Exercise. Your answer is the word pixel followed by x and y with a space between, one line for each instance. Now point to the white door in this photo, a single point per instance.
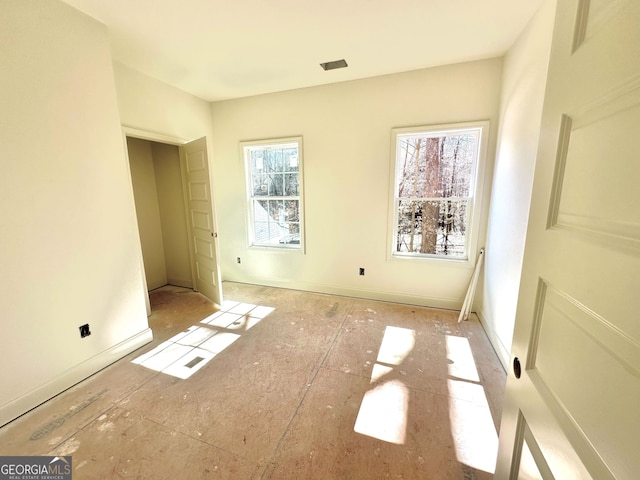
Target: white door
pixel 200 219
pixel 575 410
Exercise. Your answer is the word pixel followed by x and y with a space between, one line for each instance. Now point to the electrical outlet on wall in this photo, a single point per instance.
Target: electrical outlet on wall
pixel 84 330
pixel 238 260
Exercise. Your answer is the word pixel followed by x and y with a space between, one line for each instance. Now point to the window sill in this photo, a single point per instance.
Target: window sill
pixel 278 248
pixel 453 261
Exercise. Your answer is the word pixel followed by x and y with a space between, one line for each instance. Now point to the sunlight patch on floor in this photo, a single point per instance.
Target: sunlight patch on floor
pixel 472 428
pixel 383 412
pixel 238 316
pixel 384 409
pixel 462 364
pixel 188 351
pixel 396 344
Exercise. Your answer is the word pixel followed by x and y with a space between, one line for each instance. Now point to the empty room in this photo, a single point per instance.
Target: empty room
pixel 302 240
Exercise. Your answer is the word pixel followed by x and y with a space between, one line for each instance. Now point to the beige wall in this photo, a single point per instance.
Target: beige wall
pixel 157 188
pixel 69 251
pixel 143 179
pixel 166 161
pixel 523 87
pixel 346 129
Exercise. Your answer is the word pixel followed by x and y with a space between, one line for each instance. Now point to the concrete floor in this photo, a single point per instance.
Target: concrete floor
pixel 281 384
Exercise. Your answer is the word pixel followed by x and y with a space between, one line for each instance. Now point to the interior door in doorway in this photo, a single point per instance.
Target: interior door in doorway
pixel 571 405
pixel 199 205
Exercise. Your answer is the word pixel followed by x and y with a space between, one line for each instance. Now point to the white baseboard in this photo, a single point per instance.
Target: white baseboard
pixel 180 282
pixel 503 354
pixel 446 303
pixel 12 410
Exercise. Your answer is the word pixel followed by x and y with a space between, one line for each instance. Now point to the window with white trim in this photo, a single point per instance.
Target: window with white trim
pixel 273 170
pixel 434 189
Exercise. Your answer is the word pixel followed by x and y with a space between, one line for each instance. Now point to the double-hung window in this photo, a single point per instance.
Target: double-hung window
pixel 435 189
pixel 273 170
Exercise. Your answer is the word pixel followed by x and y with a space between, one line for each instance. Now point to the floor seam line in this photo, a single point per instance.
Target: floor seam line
pixel 307 388
pixel 199 440
pixel 93 420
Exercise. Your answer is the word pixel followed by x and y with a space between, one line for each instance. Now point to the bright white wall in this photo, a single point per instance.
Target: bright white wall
pixel 523 86
pixel 346 129
pixel 148 104
pixel 156 110
pixel 145 192
pixel 69 251
pixel 166 162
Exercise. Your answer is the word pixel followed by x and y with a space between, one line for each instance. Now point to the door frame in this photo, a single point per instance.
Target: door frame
pixel 128 131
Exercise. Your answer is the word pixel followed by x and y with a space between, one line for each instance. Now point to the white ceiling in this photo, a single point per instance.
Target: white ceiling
pixel 221 49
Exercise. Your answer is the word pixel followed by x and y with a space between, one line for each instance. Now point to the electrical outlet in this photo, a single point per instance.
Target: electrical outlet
pixel 84 330
pixel 238 260
pixel 361 271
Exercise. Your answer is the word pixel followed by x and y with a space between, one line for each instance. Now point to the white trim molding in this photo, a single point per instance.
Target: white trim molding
pixel 17 407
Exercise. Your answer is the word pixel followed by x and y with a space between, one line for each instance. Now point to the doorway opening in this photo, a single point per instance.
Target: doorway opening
pixel 162 221
pixel 174 207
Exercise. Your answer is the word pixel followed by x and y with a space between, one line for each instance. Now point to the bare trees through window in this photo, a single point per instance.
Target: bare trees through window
pixel 273 172
pixel 433 191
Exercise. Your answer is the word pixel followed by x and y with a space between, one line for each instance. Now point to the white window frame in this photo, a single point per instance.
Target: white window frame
pixel 474 206
pixel 245 149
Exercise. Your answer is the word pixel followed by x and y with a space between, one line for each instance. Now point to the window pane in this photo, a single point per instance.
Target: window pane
pixel 276 210
pixel 294 228
pixel 260 184
pixel 292 209
pixel 262 232
pixel 268 222
pixel 418 173
pixel 273 171
pixel 291 188
pixel 261 221
pixel 276 185
pixel 273 162
pixel 409 226
pixel 436 166
pixel 257 164
pixel 434 185
pixel 291 160
pixel 432 227
pixel 452 228
pixel 260 212
pixel 292 234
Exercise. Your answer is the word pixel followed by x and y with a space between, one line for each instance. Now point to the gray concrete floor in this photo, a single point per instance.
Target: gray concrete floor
pixel 281 384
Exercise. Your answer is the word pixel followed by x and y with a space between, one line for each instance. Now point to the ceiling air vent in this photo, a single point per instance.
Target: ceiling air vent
pixel 335 64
